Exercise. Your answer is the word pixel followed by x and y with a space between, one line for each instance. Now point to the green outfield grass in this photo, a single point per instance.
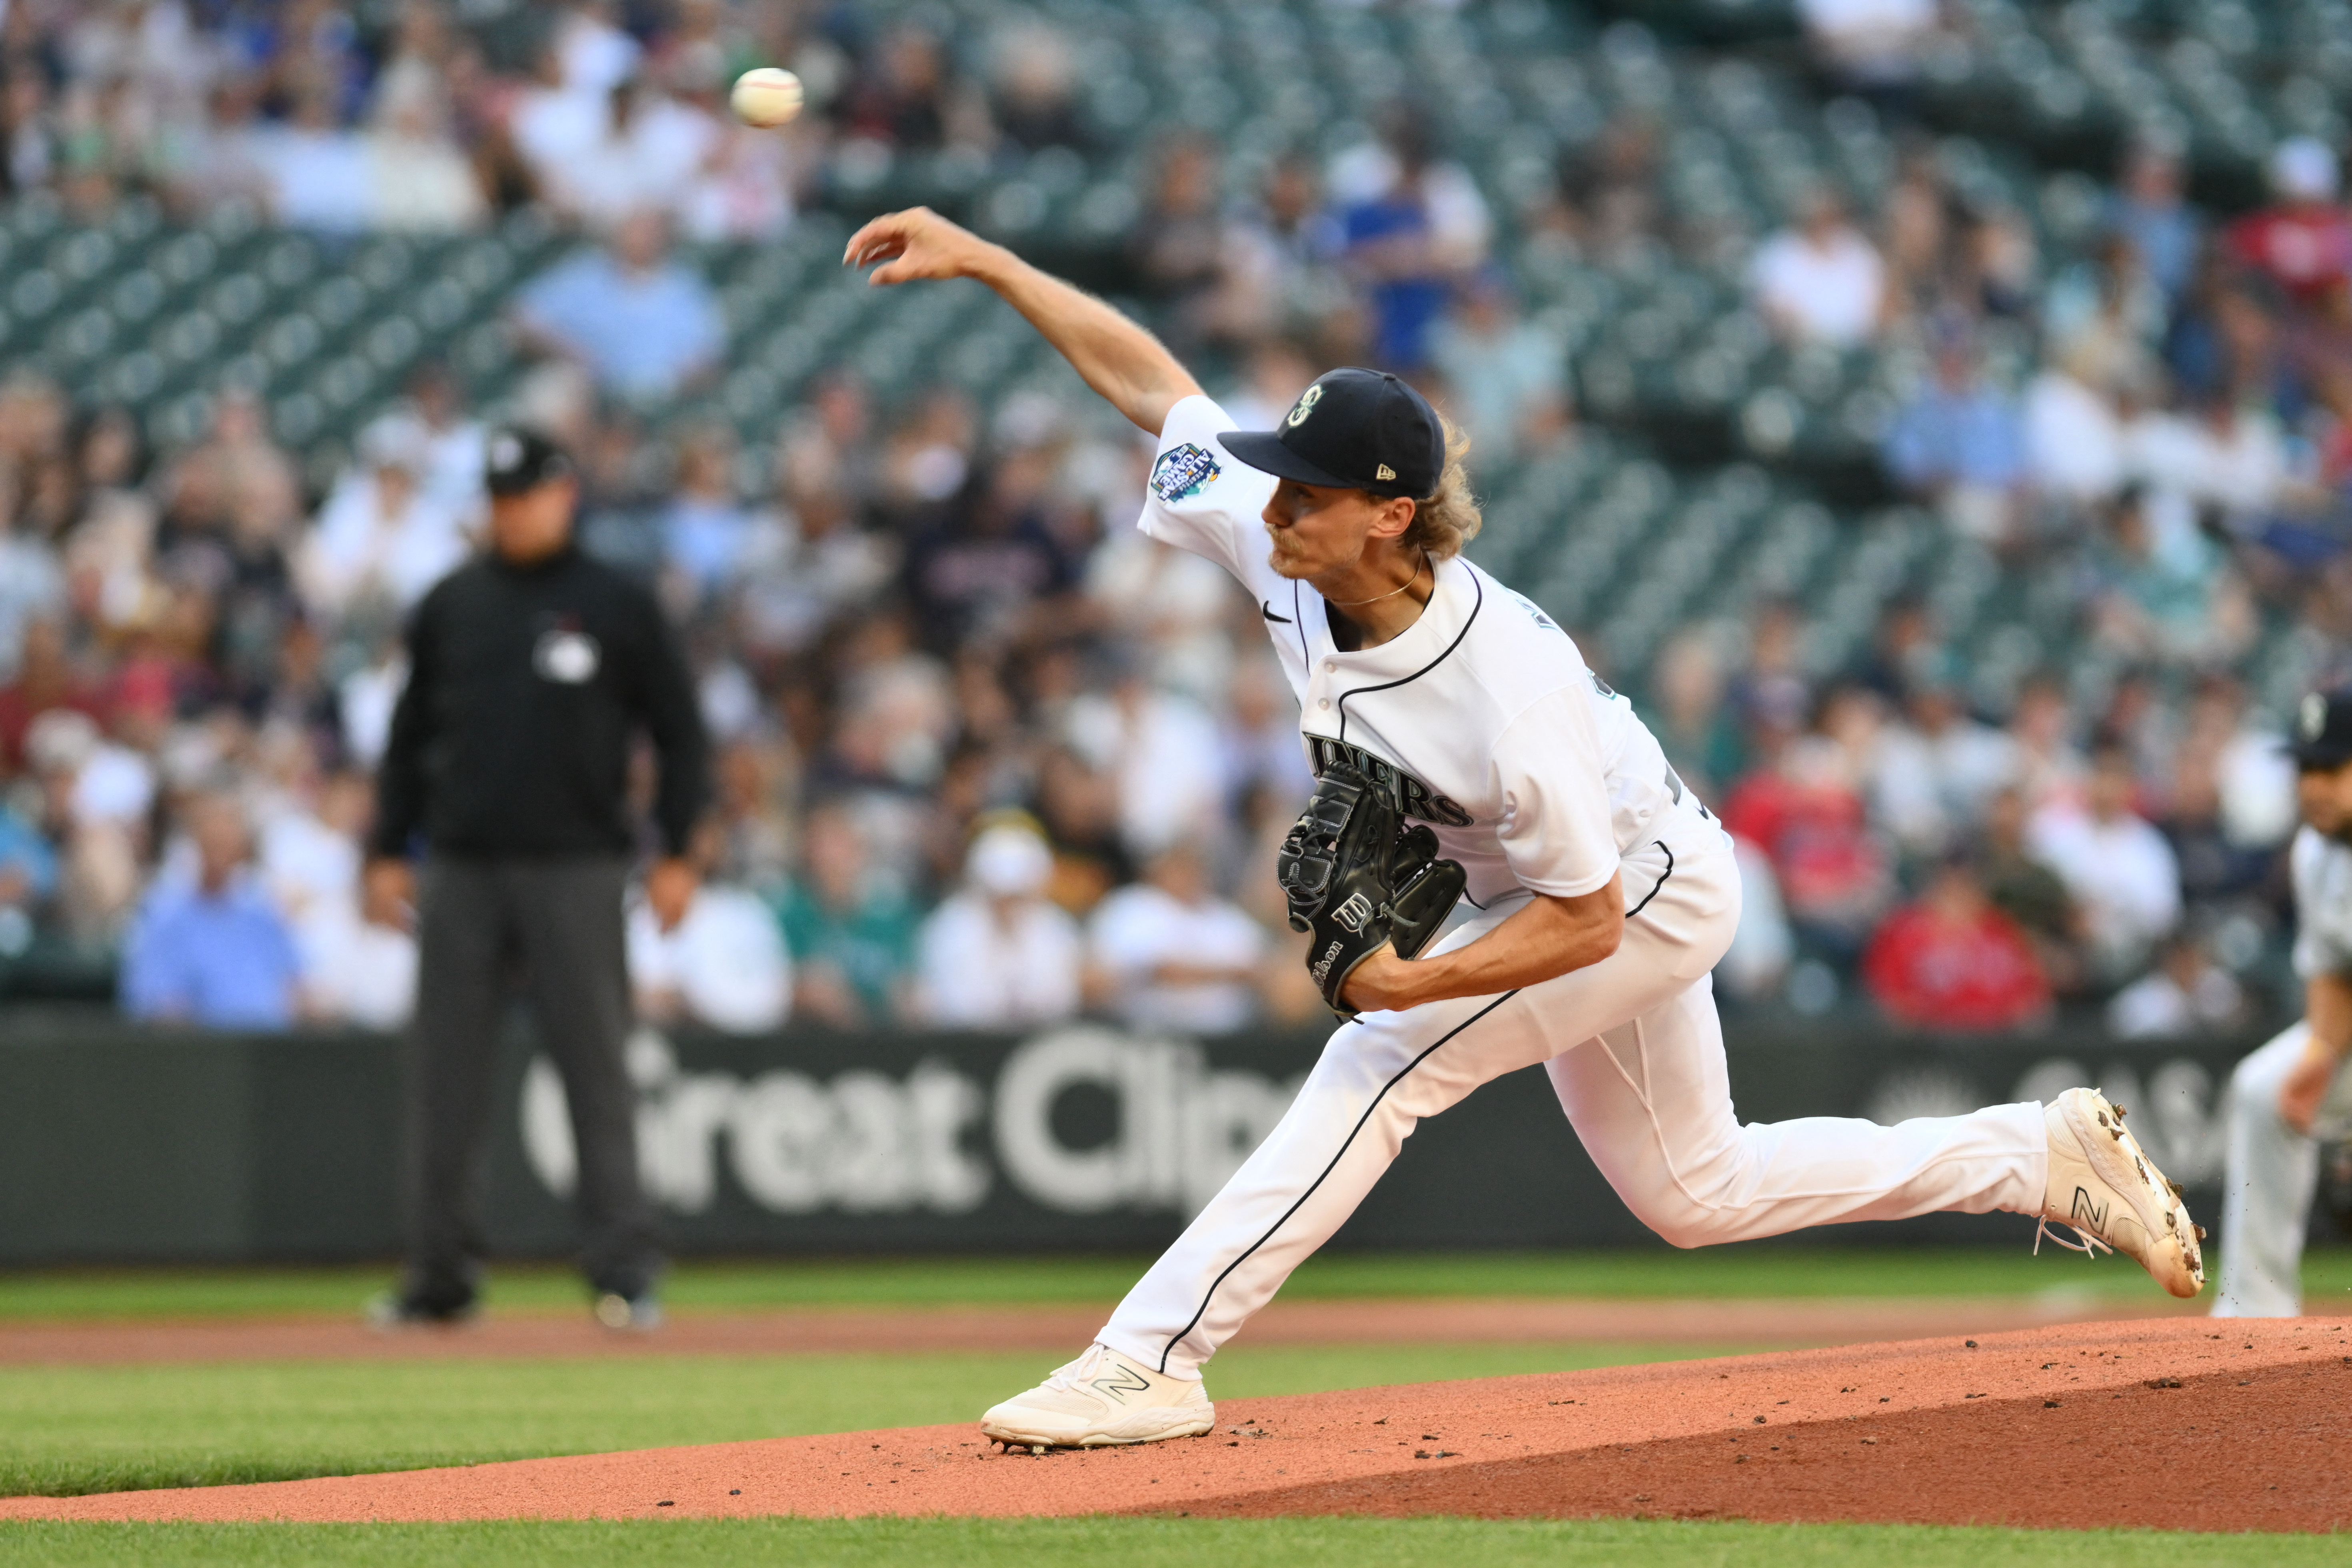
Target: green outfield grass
pixel 1754 1269
pixel 74 1429
pixel 1151 1543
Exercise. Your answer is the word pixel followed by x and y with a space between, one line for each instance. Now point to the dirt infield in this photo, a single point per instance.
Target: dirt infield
pixel 1064 1328
pixel 2181 1424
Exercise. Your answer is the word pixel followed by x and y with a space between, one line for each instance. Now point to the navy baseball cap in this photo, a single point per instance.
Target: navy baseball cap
pixel 2323 729
pixel 516 459
pixel 1357 429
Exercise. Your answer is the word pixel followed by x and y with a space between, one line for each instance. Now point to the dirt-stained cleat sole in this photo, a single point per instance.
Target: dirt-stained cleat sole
pixel 2104 1188
pixel 1102 1399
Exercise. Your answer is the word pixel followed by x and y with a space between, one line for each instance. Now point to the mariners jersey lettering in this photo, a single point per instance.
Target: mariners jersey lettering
pixel 1481 718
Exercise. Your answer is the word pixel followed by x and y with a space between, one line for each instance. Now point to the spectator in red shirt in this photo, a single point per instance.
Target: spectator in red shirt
pixel 1952 961
pixel 1805 809
pixel 45 680
pixel 2303 242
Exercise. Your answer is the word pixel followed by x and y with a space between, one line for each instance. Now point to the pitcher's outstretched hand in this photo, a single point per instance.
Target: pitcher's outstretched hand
pixel 915 244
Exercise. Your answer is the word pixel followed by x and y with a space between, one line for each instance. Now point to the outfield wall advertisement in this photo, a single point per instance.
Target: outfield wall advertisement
pixel 120 1144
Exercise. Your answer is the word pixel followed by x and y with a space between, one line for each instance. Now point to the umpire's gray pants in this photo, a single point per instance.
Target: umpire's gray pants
pixel 557 922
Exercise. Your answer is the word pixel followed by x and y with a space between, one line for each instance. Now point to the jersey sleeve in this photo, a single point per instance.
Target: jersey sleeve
pixel 2319 945
pixel 1199 498
pixel 1557 830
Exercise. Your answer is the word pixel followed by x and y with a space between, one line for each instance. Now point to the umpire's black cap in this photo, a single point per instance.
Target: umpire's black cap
pixel 1360 430
pixel 2323 729
pixel 516 459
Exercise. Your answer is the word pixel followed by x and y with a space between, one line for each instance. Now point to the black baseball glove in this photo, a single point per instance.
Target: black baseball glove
pixel 1356 876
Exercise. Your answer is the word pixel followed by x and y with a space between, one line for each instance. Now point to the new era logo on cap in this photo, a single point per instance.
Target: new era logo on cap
pixel 1354 429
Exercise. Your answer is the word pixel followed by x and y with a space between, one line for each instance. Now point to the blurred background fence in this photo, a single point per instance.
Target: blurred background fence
pixel 118 1146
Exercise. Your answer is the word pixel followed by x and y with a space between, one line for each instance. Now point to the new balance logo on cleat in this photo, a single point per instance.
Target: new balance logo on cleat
pixel 1099 1400
pixel 1124 1380
pixel 2086 1212
pixel 2114 1199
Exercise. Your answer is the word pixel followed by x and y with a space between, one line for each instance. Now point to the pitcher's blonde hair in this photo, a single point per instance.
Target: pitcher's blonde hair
pixel 1450 517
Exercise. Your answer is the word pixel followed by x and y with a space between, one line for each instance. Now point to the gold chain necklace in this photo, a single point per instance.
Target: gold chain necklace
pixel 1392 593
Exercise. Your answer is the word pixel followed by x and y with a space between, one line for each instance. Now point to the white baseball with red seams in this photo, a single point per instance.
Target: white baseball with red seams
pixel 767 97
pixel 1485 723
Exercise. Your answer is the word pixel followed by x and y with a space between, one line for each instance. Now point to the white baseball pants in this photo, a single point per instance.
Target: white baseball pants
pixel 2272 1173
pixel 1635 1053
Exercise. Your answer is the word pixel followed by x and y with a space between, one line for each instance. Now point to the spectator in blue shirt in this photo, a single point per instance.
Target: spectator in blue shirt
pixel 28 875
pixel 29 865
pixel 644 325
pixel 2150 211
pixel 215 951
pixel 705 528
pixel 1961 444
pixel 1409 244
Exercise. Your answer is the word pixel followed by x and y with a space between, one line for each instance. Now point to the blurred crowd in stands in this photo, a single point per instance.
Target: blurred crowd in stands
pixel 2168 467
pixel 988 757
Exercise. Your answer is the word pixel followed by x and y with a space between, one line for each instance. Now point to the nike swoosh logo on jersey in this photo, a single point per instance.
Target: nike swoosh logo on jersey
pixel 1266 610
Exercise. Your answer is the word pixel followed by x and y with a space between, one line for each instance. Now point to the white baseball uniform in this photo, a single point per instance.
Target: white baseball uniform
pixel 1485 724
pixel 2272 1170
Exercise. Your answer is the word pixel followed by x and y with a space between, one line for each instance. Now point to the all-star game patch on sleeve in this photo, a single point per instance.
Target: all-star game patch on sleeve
pixel 1181 472
pixel 1198 498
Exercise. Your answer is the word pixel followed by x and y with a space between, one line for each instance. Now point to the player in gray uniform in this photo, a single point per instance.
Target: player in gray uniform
pixel 1604 893
pixel 2287 1094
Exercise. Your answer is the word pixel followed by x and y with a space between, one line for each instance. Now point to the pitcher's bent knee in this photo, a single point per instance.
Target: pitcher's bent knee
pixel 1680 1222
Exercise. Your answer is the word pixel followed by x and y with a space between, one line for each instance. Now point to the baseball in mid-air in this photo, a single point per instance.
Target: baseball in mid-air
pixel 768 96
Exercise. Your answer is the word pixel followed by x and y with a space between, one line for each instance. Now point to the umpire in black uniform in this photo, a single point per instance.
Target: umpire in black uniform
pixel 531 670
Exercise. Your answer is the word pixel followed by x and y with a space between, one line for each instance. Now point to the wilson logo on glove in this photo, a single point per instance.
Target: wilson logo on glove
pixel 1358 879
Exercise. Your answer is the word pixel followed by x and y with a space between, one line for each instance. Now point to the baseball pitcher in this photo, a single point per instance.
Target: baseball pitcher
pixel 1464 751
pixel 2283 1093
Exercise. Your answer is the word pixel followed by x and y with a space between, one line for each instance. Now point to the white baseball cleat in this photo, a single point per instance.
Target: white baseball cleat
pixel 1100 1399
pixel 2104 1188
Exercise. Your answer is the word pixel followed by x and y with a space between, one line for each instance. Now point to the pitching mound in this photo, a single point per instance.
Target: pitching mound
pixel 2182 1423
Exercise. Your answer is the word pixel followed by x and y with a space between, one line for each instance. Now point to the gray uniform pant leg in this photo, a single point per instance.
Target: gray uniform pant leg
pixel 568 914
pixel 562 921
pixel 464 955
pixel 2272 1173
